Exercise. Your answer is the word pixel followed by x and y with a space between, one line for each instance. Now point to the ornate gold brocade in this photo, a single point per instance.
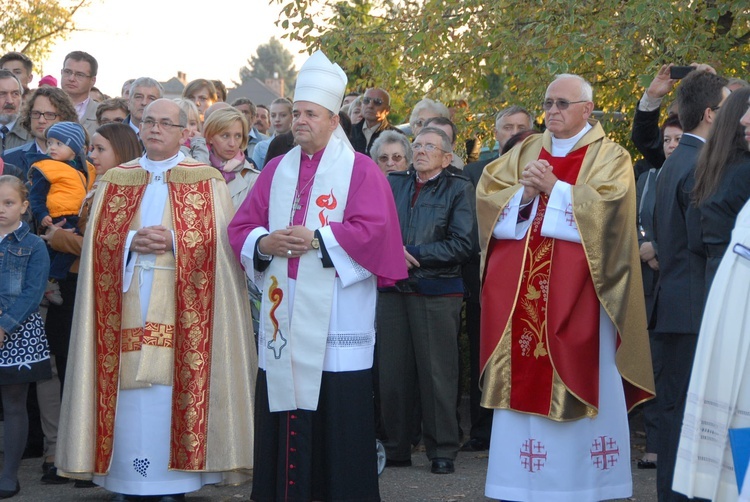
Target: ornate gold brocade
pixel 604 209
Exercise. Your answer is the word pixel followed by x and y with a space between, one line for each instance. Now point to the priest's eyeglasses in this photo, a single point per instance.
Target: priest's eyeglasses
pixel 163 124
pixel 562 104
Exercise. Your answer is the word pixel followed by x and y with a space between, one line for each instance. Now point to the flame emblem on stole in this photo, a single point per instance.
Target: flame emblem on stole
pixel 326 202
pixel 275 295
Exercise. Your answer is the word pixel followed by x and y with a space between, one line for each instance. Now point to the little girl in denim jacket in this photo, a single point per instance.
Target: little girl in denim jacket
pixel 24 353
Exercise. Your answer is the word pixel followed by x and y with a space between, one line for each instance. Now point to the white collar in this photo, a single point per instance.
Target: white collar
pixel 157 166
pixel 562 147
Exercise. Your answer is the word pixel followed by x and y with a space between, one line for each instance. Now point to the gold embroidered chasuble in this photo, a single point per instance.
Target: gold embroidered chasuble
pixel 197 336
pixel 603 206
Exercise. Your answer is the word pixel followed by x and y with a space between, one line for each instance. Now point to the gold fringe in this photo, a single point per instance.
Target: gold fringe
pixel 126 177
pixel 189 174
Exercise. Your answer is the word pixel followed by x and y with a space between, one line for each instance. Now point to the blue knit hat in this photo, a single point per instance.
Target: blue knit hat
pixel 70 134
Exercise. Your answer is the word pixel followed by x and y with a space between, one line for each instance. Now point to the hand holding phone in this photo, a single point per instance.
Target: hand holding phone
pixel 679 72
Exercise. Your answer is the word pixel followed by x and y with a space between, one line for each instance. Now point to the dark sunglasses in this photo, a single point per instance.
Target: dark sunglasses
pixel 368 100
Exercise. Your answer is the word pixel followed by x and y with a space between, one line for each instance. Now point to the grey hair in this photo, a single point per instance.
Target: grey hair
pixel 357 102
pixel 587 93
pixel 391 138
pixel 147 82
pixel 514 110
pixel 428 104
pixel 444 139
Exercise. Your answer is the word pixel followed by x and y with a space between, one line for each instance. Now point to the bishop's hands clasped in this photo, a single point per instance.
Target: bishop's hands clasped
pixel 537 177
pixel 289 242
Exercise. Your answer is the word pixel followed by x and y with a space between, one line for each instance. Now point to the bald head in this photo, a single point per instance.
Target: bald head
pixel 163 129
pixel 216 106
pixel 568 105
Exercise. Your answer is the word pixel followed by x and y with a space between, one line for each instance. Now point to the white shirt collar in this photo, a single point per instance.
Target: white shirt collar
pixel 562 147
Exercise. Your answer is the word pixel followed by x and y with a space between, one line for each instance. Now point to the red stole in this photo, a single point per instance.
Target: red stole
pixel 195 237
pixel 553 313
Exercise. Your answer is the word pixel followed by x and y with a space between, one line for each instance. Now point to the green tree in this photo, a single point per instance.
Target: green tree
pixel 271 59
pixel 500 52
pixel 34 26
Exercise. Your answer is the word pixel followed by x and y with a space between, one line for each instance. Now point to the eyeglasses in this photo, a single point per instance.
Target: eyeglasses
pixel 562 104
pixel 427 147
pixel 368 100
pixel 163 124
pixel 77 74
pixel 36 115
pixel 396 158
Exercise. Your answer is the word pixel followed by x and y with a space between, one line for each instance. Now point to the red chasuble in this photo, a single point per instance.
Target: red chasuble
pixel 196 240
pixel 553 312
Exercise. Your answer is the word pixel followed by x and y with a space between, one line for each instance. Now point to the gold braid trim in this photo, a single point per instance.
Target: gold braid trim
pixel 193 173
pixel 126 177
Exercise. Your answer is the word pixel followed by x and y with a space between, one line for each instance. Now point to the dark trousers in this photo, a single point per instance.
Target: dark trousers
pixel 481 418
pixel 651 410
pixel 678 351
pixel 417 345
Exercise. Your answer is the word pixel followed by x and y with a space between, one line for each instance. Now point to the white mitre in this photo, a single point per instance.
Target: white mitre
pixel 321 82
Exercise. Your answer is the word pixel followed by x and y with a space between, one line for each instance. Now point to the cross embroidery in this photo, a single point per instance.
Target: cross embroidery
pixel 504 213
pixel 533 455
pixel 569 216
pixel 131 340
pixel 159 335
pixel 604 453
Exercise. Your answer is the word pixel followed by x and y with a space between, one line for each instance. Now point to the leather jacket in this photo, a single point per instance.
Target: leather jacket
pixel 437 230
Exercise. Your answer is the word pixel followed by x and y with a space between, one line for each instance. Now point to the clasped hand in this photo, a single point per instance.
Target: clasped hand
pixel 156 239
pixel 289 242
pixel 537 177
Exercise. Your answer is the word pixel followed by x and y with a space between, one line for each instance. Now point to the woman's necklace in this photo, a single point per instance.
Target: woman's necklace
pixel 296 205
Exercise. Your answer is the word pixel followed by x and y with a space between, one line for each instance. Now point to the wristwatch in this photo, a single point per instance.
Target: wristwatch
pixel 315 243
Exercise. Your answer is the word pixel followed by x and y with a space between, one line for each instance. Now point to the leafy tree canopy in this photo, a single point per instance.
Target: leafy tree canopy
pixel 34 26
pixel 501 52
pixel 270 59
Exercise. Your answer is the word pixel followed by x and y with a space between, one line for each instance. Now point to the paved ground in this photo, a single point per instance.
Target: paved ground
pixel 412 484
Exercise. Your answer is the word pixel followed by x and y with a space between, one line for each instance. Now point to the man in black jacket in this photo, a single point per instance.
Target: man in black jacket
pixel 680 293
pixel 418 319
pixel 376 105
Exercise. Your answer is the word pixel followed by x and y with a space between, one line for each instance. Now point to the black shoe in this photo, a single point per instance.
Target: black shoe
pixel 177 497
pixel 476 444
pixel 397 463
pixel 50 476
pixel 442 466
pixel 46 465
pixel 84 483
pixel 646 464
pixel 121 497
pixel 6 494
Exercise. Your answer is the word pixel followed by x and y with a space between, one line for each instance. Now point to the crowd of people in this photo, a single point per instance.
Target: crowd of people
pixel 202 292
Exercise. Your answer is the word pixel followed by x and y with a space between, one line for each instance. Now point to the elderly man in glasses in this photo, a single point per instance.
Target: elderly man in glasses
pixel 564 348
pixel 418 318
pixel 376 105
pixel 162 366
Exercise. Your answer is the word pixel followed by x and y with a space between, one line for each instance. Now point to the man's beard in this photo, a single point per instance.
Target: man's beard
pixel 7 118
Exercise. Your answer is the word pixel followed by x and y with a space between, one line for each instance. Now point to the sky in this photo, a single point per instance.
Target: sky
pixel 157 38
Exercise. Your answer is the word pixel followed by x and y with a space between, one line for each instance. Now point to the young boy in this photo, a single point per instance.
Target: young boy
pixel 58 186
